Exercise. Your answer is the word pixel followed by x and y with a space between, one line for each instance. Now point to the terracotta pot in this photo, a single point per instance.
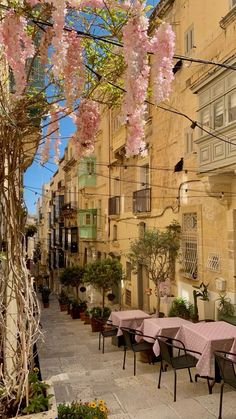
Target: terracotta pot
pixel 96 324
pixel 87 320
pixel 75 313
pixel 63 307
pixel 82 315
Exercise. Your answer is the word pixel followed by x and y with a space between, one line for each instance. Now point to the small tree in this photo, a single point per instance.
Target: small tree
pixel 103 275
pixel 156 251
pixel 73 276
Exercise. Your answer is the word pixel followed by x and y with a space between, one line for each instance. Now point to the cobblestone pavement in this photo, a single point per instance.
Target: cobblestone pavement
pixel 69 356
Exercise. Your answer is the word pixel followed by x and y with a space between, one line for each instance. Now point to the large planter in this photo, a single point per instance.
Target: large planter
pixel 206 309
pixel 63 307
pixel 96 324
pixel 75 313
pixel 49 414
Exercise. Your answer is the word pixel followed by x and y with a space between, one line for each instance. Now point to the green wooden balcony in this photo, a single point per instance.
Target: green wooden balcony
pixel 87 172
pixel 87 220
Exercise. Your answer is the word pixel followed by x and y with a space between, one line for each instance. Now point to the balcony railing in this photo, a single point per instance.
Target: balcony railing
pixel 142 200
pixel 114 205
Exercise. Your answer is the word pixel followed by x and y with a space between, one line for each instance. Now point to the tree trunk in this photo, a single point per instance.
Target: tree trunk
pixel 103 298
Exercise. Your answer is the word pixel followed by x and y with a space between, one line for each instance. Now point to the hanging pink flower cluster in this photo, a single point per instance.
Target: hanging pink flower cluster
pixel 59 43
pixel 136 44
pixel 44 45
pixel 87 123
pixel 18 46
pixel 52 135
pixel 74 69
pixel 162 46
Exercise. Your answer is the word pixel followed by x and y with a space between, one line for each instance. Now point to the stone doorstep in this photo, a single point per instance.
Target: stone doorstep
pixel 51 413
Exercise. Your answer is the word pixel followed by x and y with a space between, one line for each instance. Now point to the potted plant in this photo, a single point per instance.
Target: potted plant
pixel 104 274
pixel 63 300
pixel 45 296
pixel 73 277
pixel 82 309
pixel 203 307
pixel 180 307
pixel 156 251
pixel 42 402
pixel 93 409
pixel 86 317
pixel 225 307
pixel 98 316
pixel 74 311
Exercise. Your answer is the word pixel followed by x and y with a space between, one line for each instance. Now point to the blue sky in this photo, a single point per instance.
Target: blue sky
pixel 36 174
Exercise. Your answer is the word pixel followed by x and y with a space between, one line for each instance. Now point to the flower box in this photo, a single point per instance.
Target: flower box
pixel 49 414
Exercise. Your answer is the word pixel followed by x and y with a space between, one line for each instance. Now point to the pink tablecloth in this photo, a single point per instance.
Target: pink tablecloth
pixel 127 318
pixel 167 326
pixel 207 338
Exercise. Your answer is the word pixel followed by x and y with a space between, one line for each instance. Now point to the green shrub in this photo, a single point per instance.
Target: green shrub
pixel 180 307
pixel 38 398
pixel 99 312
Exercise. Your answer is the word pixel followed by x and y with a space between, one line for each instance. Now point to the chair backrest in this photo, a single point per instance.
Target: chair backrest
pixel 226 366
pixel 165 348
pixel 129 336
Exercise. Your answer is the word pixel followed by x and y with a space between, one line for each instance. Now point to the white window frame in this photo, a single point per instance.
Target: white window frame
pixel 229 90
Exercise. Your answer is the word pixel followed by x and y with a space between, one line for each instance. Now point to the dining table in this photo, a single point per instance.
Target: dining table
pixel 154 326
pixel 206 338
pixel 127 318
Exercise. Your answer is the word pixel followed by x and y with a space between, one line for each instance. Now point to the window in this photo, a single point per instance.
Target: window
pixel 218 114
pixel 90 164
pixel 205 117
pixel 114 232
pixel 217 104
pixel 189 245
pixel 189 144
pixel 142 228
pixel 128 297
pixel 232 107
pixel 188 40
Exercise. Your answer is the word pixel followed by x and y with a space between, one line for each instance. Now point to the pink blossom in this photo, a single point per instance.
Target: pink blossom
pixel 18 46
pixel 59 43
pixel 52 135
pixel 44 44
pixel 136 45
pixel 162 46
pixel 74 70
pixel 87 123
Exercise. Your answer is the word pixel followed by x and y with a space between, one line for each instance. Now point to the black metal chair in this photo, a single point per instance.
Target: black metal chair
pixel 107 330
pixel 179 362
pixel 130 343
pixel 227 372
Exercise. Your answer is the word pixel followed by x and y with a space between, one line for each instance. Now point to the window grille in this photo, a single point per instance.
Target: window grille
pixel 213 262
pixel 127 297
pixel 189 245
